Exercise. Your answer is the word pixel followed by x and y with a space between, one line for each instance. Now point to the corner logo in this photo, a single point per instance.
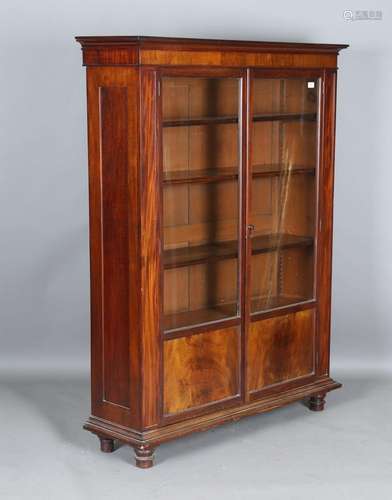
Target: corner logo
pixel 362 15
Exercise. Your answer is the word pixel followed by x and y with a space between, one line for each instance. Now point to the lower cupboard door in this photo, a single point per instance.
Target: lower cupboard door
pixel 200 370
pixel 280 349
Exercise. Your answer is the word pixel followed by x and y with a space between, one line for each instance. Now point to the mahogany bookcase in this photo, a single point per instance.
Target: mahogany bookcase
pixel 211 199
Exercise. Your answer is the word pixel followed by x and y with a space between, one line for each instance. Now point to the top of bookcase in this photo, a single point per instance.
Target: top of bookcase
pixel 207 43
pixel 146 50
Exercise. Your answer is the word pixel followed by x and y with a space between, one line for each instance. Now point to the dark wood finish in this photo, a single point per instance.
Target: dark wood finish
pixel 280 397
pixel 107 444
pixel 207 43
pixel 151 349
pixel 115 229
pixel 316 402
pixel 244 233
pixel 144 456
pixel 324 247
pixel 114 243
pixel 160 372
pixel 182 51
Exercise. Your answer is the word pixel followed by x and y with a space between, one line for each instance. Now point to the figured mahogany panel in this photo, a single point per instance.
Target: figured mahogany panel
pixel 280 349
pixel 201 369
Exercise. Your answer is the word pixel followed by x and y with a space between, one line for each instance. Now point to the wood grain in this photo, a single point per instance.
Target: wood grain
pixel 201 369
pixel 325 222
pixel 215 417
pixel 280 349
pixel 136 50
pixel 115 230
pixel 207 44
pixel 103 56
pixel 236 59
pixel 148 385
pixel 114 243
pixel 150 252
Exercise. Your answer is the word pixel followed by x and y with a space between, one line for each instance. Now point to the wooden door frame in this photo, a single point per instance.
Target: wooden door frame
pixel 209 72
pixel 323 204
pixel 323 237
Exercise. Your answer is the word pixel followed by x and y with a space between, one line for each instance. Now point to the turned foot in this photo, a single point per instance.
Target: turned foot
pixel 107 444
pixel 316 402
pixel 144 456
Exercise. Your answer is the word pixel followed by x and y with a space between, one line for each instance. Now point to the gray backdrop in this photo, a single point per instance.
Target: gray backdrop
pixel 44 293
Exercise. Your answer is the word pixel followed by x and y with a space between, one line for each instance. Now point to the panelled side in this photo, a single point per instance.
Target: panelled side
pixel 114 242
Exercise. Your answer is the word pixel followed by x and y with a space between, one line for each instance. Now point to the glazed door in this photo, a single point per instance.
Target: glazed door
pixel 237 148
pixel 284 138
pixel 202 238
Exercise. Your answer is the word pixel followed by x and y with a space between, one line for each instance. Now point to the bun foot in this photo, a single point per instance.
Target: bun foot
pixel 144 456
pixel 316 402
pixel 107 444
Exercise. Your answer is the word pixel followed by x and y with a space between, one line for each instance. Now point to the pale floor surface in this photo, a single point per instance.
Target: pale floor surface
pixel 344 452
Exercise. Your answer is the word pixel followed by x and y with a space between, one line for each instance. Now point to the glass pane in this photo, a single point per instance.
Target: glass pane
pixel 283 204
pixel 200 130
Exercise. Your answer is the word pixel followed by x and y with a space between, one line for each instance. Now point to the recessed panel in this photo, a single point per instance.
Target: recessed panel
pixel 280 349
pixel 115 235
pixel 200 369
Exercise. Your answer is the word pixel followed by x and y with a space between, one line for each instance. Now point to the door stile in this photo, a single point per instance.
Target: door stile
pixel 247 100
pixel 150 250
pixel 159 146
pixel 319 210
pixel 325 221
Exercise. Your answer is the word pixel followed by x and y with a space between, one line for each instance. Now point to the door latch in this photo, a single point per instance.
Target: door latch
pixel 250 228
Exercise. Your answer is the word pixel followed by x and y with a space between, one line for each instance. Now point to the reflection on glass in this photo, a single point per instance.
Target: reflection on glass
pixel 200 127
pixel 283 208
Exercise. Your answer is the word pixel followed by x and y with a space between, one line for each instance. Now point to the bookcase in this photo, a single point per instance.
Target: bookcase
pixel 211 198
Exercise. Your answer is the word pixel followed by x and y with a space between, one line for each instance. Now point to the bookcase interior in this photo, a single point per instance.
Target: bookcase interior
pixel 202 176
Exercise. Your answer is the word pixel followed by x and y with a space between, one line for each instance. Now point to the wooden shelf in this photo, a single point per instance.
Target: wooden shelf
pixel 184 319
pixel 190 256
pixel 274 170
pixel 217 120
pixel 201 176
pixel 188 318
pixel 223 174
pixel 262 304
